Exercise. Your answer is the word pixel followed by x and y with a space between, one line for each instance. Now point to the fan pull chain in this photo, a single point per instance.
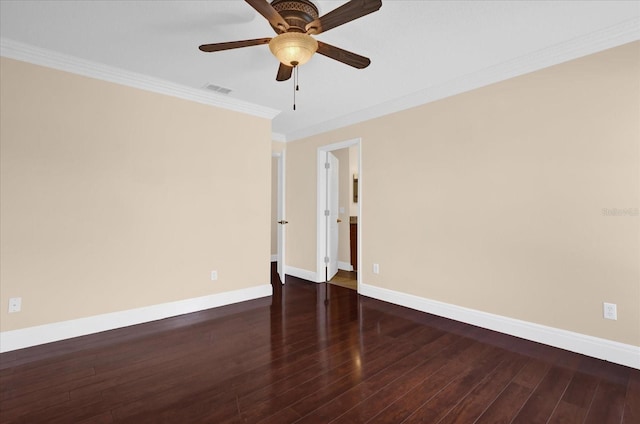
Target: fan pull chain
pixel 296 87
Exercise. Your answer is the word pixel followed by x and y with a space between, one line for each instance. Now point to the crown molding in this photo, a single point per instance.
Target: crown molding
pixel 622 33
pixel 51 59
pixel 617 35
pixel 278 137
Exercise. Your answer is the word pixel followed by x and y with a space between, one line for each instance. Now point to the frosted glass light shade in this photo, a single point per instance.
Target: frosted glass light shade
pixel 293 48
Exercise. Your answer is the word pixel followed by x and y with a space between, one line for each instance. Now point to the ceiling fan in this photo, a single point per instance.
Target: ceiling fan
pixel 295 21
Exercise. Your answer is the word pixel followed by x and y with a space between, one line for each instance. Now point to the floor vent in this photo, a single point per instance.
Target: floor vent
pixel 217 89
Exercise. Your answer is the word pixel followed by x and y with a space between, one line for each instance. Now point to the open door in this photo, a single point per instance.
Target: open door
pixel 328 210
pixel 281 228
pixel 332 215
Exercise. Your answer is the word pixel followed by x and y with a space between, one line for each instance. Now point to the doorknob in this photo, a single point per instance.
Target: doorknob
pixel 283 222
pixel 339 220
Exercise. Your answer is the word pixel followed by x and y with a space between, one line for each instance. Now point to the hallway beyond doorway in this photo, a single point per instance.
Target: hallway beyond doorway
pixel 347 279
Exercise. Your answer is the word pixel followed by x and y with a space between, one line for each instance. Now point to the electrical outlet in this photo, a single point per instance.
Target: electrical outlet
pixel 610 311
pixel 15 304
pixel 214 275
pixel 376 268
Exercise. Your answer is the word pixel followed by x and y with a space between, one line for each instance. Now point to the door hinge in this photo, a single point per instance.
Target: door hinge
pixel 326 259
pixel 327 165
pixel 327 212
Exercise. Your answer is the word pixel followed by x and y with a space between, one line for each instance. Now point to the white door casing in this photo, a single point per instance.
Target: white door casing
pixel 322 246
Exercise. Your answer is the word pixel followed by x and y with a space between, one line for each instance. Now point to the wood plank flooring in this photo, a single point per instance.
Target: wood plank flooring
pixel 295 358
pixel 346 279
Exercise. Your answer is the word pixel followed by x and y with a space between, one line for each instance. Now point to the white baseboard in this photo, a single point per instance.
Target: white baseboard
pixel 313 276
pixel 607 350
pixel 304 274
pixel 274 258
pixel 32 336
pixel 345 266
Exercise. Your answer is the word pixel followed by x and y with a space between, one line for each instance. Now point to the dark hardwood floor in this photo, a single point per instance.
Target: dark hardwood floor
pixel 295 358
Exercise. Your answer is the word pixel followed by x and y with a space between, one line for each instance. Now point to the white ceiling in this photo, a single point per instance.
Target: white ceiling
pixel 420 50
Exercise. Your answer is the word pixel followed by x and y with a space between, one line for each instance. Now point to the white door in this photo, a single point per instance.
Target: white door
pixel 281 219
pixel 332 216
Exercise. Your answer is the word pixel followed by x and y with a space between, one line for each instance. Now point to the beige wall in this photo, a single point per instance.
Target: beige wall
pixel 278 146
pixel 114 198
pixel 493 199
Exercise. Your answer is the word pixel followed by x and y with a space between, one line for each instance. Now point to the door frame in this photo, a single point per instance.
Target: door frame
pixel 321 221
pixel 281 216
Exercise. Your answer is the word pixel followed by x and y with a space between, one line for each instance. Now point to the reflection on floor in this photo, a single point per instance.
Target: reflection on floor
pixel 348 279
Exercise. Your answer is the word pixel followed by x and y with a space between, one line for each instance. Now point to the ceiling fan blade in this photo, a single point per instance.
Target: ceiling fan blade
pixel 284 72
pixel 346 13
pixel 343 56
pixel 265 9
pixel 216 47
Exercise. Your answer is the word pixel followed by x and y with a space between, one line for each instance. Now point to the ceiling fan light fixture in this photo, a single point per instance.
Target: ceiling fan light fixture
pixel 293 48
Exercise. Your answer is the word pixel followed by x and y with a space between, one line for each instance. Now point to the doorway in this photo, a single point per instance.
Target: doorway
pixel 278 221
pixel 336 215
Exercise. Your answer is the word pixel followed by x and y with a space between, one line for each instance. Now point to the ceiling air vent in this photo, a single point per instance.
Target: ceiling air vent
pixel 217 89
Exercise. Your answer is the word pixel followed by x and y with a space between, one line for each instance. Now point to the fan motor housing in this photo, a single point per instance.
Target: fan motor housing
pixel 297 13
